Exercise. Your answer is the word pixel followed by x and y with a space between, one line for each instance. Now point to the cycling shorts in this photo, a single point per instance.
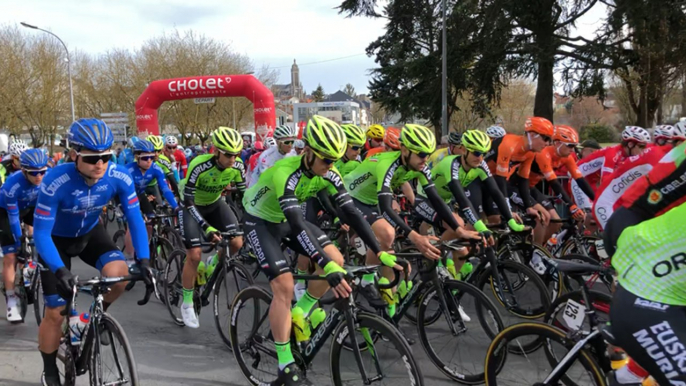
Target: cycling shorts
pixel 95 248
pixel 370 213
pixel 7 240
pixel 482 202
pixel 542 199
pixel 266 238
pixel 218 215
pixel 654 335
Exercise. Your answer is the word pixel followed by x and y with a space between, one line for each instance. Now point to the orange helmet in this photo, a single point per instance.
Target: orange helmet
pixel 540 126
pixel 566 134
pixel 392 138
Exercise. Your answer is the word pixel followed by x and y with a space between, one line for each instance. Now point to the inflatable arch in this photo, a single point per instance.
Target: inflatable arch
pixel 212 86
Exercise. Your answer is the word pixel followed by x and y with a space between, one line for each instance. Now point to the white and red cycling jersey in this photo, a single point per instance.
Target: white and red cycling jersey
pixel 594 169
pixel 265 160
pixel 615 184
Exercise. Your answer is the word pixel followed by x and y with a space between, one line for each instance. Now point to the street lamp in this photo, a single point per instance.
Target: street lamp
pixel 444 76
pixel 71 91
pixel 233 101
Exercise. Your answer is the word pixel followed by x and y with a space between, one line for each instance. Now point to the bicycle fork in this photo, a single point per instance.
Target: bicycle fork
pixel 350 324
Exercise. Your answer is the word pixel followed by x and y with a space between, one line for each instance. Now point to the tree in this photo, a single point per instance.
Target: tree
pixel 349 89
pixel 318 94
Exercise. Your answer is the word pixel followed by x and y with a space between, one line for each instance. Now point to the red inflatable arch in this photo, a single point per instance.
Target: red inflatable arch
pixel 164 90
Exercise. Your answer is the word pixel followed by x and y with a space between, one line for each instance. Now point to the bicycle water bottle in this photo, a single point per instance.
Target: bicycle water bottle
pixel 211 265
pixel 77 324
pixel 202 272
pixel 317 317
pixel 28 272
pixel 300 326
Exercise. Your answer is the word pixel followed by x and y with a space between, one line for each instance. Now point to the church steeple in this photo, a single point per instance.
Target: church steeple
pixel 295 80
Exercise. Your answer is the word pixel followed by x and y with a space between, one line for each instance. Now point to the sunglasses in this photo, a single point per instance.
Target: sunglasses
pixel 355 148
pixel 546 139
pixel 571 145
pixel 478 153
pixel 632 144
pixel 146 158
pixel 171 147
pixel 93 159
pixel 421 155
pixel 227 154
pixel 36 173
pixel 288 143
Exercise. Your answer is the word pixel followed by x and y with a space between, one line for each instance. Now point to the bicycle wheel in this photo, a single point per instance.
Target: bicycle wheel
pixel 118 239
pixel 173 236
pixel 533 368
pixel 457 355
pixel 524 295
pixel 587 247
pixel 251 337
pixel 162 252
pixel 23 297
pixel 398 367
pixel 233 278
pixel 113 363
pixel 66 364
pixel 524 253
pixel 38 299
pixel 173 287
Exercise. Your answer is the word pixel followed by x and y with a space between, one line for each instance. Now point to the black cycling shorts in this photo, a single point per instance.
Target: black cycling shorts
pixel 218 214
pixel 7 241
pixel 653 334
pixel 370 213
pixel 542 199
pixel 266 238
pixel 481 201
pixel 95 248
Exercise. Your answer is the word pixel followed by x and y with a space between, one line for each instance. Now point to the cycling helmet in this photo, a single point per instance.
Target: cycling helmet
pixel 299 144
pixel 635 134
pixel 156 141
pixel 354 134
pixel 680 131
pixel 376 132
pixel 392 138
pixel 258 146
pixel 495 132
pixel 566 134
pixel 143 146
pixel 540 126
pixel 325 137
pixel 664 131
pixel 188 153
pixel 133 140
pixel 476 140
pixel 454 138
pixel 269 142
pixel 91 133
pixel 418 138
pixel 283 132
pixel 18 147
pixel 34 159
pixel 228 140
pixel 171 141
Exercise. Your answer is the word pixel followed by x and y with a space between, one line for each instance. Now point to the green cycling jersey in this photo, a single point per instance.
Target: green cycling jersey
pixel 165 164
pixel 651 258
pixel 449 169
pixel 205 180
pixel 345 167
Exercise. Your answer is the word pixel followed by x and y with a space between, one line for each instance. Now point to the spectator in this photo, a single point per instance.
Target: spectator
pixel 588 147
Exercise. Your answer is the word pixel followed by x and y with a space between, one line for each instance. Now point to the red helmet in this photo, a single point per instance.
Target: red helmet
pixel 392 138
pixel 540 126
pixel 258 146
pixel 566 134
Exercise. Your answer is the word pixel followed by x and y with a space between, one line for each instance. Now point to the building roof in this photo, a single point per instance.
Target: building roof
pixel 340 96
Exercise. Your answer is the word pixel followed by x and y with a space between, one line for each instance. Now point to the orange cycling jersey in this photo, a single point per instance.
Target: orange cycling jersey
pixel 373 151
pixel 508 154
pixel 547 162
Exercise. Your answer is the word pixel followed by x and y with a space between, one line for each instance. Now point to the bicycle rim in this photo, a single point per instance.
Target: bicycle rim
pixel 173 288
pixel 232 279
pixel 112 364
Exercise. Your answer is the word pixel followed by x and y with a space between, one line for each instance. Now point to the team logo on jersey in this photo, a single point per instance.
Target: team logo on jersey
pixel 654 196
pixel 54 185
pixel 77 193
pixel 101 188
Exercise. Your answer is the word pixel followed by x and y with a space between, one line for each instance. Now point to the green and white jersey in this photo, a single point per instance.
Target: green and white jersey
pixel 205 180
pixel 651 258
pixel 382 170
pixel 450 168
pixel 274 191
pixel 165 164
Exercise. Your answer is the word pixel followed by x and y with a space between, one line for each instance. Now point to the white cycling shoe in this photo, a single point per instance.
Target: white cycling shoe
pixel 13 310
pixel 299 290
pixel 463 315
pixel 190 319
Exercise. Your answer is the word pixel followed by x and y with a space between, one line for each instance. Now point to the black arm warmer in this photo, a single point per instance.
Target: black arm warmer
pixel 557 188
pixel 466 208
pixel 498 198
pixel 441 208
pixel 586 188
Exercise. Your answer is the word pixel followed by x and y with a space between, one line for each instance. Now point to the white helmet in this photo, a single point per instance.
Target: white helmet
pixel 299 144
pixel 635 133
pixel 269 142
pixel 680 130
pixel 284 131
pixel 171 140
pixel 17 147
pixel 495 132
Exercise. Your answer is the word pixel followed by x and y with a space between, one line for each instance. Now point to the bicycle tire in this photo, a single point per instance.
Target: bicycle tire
pixel 486 309
pixel 569 247
pixel 38 299
pixel 552 278
pixel 65 356
pixel 117 332
pixel 173 236
pixel 235 270
pixel 161 254
pixel 383 328
pixel 497 355
pixel 118 239
pixel 20 292
pixel 173 289
pixel 531 275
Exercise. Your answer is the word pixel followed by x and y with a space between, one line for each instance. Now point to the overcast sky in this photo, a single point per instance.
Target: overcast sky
pixel 271 32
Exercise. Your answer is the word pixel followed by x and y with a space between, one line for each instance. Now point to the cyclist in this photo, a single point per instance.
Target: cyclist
pixel 375 135
pixel 495 132
pixel 451 149
pixel 13 163
pixel 372 184
pixel 298 146
pixel 285 136
pixel 181 162
pixel 602 163
pixel 144 171
pixel 17 199
pixel 273 212
pixel 391 142
pixel 350 159
pixel 167 162
pixel 665 136
pixel 516 153
pixel 204 214
pixel 269 142
pixel 73 195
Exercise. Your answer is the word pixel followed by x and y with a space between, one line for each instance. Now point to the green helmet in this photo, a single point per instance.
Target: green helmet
pixel 418 138
pixel 228 140
pixel 325 137
pixel 156 141
pixel 476 140
pixel 354 134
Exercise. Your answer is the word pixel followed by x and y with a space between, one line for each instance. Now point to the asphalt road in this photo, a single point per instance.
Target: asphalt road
pixel 167 354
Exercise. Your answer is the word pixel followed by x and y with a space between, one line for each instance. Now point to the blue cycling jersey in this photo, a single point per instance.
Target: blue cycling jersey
pixel 17 194
pixel 66 200
pixel 141 181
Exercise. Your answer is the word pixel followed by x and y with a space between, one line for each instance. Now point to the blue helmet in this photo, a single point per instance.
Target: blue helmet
pixel 143 146
pixel 91 133
pixel 33 159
